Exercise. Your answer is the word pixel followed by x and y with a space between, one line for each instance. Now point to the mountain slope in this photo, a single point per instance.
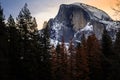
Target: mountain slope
pixel 74 20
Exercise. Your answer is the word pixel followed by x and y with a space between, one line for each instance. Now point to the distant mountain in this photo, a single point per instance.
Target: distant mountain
pixel 74 20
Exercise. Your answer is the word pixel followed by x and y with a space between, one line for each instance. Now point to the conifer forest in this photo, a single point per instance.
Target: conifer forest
pixel 26 54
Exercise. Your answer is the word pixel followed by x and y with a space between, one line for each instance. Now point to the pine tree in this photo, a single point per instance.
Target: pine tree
pixel 25 21
pixel 106 44
pixel 46 66
pixel 54 63
pixel 82 60
pixel 12 32
pixel 27 50
pixel 58 72
pixel 115 59
pixel 2 18
pixel 11 22
pixel 107 50
pixel 117 44
pixel 63 59
pixel 4 61
pixel 71 62
pixel 3 32
pixel 95 58
pixel 34 25
pixel 12 38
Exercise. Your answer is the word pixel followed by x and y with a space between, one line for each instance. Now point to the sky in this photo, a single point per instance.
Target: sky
pixel 43 10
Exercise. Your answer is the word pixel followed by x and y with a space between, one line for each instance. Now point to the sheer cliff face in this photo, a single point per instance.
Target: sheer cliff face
pixel 74 20
pixel 78 20
pixel 98 29
pixel 72 16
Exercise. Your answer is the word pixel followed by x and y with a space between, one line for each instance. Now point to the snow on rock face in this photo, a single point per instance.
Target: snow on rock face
pixel 55 30
pixel 87 31
pixel 74 20
pixel 59 30
pixel 88 27
pixel 72 16
pixel 55 43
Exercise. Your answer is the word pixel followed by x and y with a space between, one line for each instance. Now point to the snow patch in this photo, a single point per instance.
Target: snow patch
pixel 55 42
pixel 56 28
pixel 88 27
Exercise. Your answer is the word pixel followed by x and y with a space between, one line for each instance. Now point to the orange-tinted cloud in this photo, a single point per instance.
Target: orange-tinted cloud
pixel 105 5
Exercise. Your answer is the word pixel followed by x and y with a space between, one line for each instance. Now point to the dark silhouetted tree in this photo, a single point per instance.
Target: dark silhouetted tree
pixel 28 52
pixel 4 61
pixel 54 63
pixel 106 44
pixel 12 40
pixel 82 60
pixel 95 58
pixel 45 54
pixel 71 62
pixel 117 44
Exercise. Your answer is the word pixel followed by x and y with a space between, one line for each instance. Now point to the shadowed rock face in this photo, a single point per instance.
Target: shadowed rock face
pixel 72 16
pixel 71 20
pixel 98 29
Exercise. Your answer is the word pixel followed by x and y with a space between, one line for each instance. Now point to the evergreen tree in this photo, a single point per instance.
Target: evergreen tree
pixel 82 60
pixel 11 22
pixel 46 66
pixel 3 32
pixel 4 61
pixel 106 44
pixel 28 46
pixel 58 72
pixel 25 21
pixel 12 32
pixel 71 62
pixel 117 44
pixel 115 58
pixel 63 60
pixel 12 38
pixel 54 63
pixel 34 25
pixel 95 58
pixel 107 52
